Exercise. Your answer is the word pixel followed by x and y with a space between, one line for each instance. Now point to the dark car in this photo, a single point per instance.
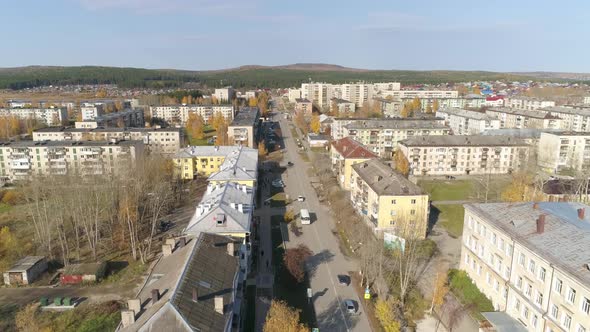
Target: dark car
pixel 343 280
pixel 290 164
pixel 165 225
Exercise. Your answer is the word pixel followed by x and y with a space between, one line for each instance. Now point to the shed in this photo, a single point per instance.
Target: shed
pixel 318 141
pixel 26 270
pixel 83 273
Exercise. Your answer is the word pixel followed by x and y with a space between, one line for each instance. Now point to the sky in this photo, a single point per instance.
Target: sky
pixel 495 35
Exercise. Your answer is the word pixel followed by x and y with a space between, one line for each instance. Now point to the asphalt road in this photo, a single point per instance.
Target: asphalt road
pixel 327 261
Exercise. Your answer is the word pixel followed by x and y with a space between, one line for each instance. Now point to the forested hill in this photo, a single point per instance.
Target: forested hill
pixel 242 77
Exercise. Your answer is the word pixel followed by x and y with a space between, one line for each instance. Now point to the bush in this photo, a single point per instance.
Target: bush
pixel 464 288
pixel 11 197
pixel 289 216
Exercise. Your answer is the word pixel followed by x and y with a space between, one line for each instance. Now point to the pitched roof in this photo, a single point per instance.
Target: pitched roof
pixel 241 163
pixel 26 263
pixel 462 140
pixel 384 180
pixel 348 148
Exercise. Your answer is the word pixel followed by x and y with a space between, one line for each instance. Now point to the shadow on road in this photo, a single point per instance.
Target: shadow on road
pixel 433 217
pixel 331 319
pixel 318 259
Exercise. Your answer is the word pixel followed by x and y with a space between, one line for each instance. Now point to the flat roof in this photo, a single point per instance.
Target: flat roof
pixel 396 124
pixel 526 113
pixel 463 140
pixel 565 240
pixel 102 129
pixel 384 180
pixel 302 100
pixel 566 110
pixel 246 116
pixel 27 144
pixel 466 114
pixel 240 164
pixel 503 322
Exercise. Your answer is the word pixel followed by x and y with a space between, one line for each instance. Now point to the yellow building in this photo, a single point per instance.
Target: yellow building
pixel 345 153
pixel 390 201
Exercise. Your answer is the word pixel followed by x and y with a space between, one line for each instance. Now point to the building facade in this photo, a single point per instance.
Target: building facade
pixel 343 107
pixel 49 116
pixel 527 103
pixel 522 119
pixel 346 152
pixel 125 118
pixel 563 150
pixel 244 129
pixel 390 108
pixel 304 107
pixel 464 122
pixel 225 95
pixel 179 114
pixel 522 257
pixel 390 201
pixel 456 155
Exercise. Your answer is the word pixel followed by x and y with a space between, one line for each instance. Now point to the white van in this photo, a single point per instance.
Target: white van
pixel 304 214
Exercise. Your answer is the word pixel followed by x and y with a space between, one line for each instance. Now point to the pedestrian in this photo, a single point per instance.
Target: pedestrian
pixel 262 253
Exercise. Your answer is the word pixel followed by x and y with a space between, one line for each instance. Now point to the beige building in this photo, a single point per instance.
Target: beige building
pixel 21 160
pixel 465 122
pixel 562 150
pixel 346 152
pixel 49 116
pixel 303 106
pixel 527 103
pixel 293 95
pixel 390 108
pixel 573 118
pixel 420 94
pixel 381 136
pixel 156 140
pixel 179 114
pixel 390 201
pixel 530 260
pixel 456 155
pixel 522 119
pixel 244 128
pixel 344 107
pixel 225 95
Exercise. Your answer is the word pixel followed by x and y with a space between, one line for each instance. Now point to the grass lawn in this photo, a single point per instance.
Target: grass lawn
pixel 454 190
pixel 278 200
pixel 209 132
pixel 285 287
pixel 466 291
pixel 450 217
pixel 5 207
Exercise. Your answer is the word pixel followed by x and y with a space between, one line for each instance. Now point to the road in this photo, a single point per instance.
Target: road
pixel 327 261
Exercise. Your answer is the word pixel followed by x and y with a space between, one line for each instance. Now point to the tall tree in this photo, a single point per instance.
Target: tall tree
pixel 385 312
pixel 195 125
pixel 402 165
pixel 435 105
pixel 314 124
pixel 282 318
pixel 295 261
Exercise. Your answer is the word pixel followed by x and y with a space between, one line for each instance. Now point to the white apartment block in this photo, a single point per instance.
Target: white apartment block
pixel 293 94
pixel 337 130
pixel 225 95
pixel 319 93
pixel 344 106
pixel 91 112
pixel 125 118
pixel 562 150
pixel 386 86
pixel 381 136
pixel 410 94
pixel 471 101
pixel 48 116
pixel 156 140
pixel 358 93
pixel 13 103
pixel 527 103
pixel 457 155
pixel 179 114
pixel 573 118
pixel 531 261
pixel 389 108
pixel 523 119
pixel 464 122
pixel 586 100
pixel 24 159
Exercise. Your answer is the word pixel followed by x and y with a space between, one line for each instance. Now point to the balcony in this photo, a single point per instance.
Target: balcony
pixel 20 164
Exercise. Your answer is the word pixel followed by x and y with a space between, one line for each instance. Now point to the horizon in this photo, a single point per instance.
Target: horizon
pixel 216 35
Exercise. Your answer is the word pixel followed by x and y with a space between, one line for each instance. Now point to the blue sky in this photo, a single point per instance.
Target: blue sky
pixel 497 35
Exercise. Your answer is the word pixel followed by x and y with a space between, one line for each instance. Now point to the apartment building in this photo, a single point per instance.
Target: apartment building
pixel 563 150
pixel 15 103
pixel 469 101
pixel 390 201
pixel 318 93
pixel 179 114
pixel 420 94
pixel 586 100
pixel 456 155
pixel 126 118
pixel 573 118
pixel 346 152
pixel 217 162
pixel 91 112
pixel 338 130
pixel 358 93
pixel 52 116
pixel 303 106
pixel 531 260
pixel 293 94
pixel 244 129
pixel 464 122
pixel 344 107
pixel 225 95
pixel 390 108
pixel 381 136
pixel 24 159
pixel 517 118
pixel 527 103
pixel 156 140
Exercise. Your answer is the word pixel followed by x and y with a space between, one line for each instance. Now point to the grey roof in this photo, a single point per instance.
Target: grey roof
pixel 246 116
pixel 341 101
pixel 567 110
pixel 516 132
pixel 465 113
pixel 241 163
pixel 503 322
pixel 565 240
pixel 302 100
pixel 384 180
pixel 463 140
pixel 22 144
pixel 567 133
pixel 316 137
pixel 396 124
pixel 103 129
pixel 525 113
pixel 205 150
pixel 223 199
pixel 26 263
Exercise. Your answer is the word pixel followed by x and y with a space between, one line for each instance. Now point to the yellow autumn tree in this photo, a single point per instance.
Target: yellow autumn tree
pixel 252 102
pixel 440 289
pixel 429 109
pixel 184 100
pixel 282 318
pixel 406 111
pixel 435 105
pixel 194 126
pixel 476 90
pixel 416 104
pixel 384 310
pixel 402 165
pixel 314 124
pixel 214 100
pixel 262 151
pixel 520 189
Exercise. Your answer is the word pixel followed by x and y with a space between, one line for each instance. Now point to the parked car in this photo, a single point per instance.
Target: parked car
pixel 300 198
pixel 290 163
pixel 278 184
pixel 350 306
pixel 343 280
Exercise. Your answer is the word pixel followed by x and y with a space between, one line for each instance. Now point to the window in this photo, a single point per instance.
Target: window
pixel 517 305
pixel 412 212
pixel 566 321
pixel 519 283
pixel 581 328
pixel 529 290
pixel 501 247
pixel 393 201
pixel 496 286
pixel 557 286
pixel 586 305
pixel 525 312
pixel 494 238
pixel 413 201
pixel 478 270
pixel 509 250
pixel 488 278
pixel 542 273
pixel 521 259
pixel 554 311
pixel 532 266
pixel 571 295
pixel 467 259
pixel 534 320
pixel 539 299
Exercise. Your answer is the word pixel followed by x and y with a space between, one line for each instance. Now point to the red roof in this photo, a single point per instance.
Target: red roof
pixel 494 98
pixel 351 149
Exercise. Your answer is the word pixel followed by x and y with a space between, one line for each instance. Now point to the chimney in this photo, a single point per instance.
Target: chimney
pixel 541 224
pixel 232 205
pixel 127 318
pixel 230 248
pixel 166 250
pixel 219 304
pixel 195 294
pixel 134 305
pixel 245 189
pixel 241 207
pixel 181 242
pixel 581 213
pixel 535 206
pixel 155 296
